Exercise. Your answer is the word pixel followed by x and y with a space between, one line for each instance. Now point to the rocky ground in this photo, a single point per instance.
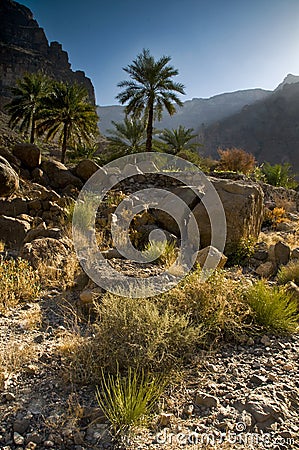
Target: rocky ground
pixel 243 396
pixel 239 396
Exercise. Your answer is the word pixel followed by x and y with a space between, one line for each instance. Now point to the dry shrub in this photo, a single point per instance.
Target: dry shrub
pixel 236 160
pixel 15 356
pixel 274 217
pixel 63 276
pixel 79 358
pixel 129 333
pixel 216 305
pixel 18 282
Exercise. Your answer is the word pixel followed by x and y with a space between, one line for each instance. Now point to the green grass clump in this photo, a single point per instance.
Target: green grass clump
pixel 160 252
pixel 19 282
pixel 290 272
pixel 273 308
pixel 128 401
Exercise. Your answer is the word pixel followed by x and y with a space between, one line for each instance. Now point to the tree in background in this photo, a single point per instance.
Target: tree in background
pixel 178 140
pixel 68 115
pixel 29 95
pixel 279 175
pixel 150 90
pixel 236 160
pixel 127 137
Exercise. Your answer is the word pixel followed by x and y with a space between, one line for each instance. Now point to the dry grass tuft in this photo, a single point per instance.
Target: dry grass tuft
pixel 19 282
pixel 15 356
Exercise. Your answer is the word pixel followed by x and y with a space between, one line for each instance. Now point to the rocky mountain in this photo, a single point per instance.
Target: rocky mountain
pixel 269 128
pixel 194 112
pixel 25 48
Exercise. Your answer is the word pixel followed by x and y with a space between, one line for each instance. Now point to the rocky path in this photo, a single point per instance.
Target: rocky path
pixel 244 396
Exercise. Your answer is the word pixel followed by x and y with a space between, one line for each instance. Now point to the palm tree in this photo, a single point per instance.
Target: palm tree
pixel 178 140
pixel 150 90
pixel 29 95
pixel 127 137
pixel 68 114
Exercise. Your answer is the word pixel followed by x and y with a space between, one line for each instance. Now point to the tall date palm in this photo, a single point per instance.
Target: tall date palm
pixel 28 98
pixel 150 90
pixel 68 114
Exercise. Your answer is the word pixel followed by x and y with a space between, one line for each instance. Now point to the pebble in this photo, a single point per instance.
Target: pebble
pixel 18 439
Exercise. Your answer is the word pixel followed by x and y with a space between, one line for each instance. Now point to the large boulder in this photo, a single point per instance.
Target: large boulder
pixel 243 206
pixel 190 196
pixel 28 154
pixel 59 175
pixel 13 231
pixel 9 180
pixel 46 251
pixel 85 169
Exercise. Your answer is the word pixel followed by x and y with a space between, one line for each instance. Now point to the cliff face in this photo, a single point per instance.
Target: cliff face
pixel 25 48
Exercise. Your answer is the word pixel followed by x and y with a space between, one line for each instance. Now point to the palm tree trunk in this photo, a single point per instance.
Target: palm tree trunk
pixel 32 132
pixel 64 142
pixel 149 128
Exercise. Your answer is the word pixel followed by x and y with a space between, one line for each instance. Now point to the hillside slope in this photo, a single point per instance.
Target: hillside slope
pixel 269 128
pixel 194 112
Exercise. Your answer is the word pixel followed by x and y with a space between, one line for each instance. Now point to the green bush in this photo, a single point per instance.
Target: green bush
pixel 279 175
pixel 239 252
pixel 273 308
pixel 127 401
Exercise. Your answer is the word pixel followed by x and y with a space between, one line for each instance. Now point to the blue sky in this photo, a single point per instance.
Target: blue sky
pixel 217 45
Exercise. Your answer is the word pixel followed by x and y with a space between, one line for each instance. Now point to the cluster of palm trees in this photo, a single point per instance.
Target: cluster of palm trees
pixel 53 109
pixel 57 110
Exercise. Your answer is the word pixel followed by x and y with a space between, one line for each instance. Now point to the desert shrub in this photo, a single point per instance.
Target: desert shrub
pixel 236 160
pixel 273 217
pixel 129 333
pixel 273 308
pixel 239 252
pixel 127 401
pixel 18 283
pixel 279 175
pixel 290 272
pixel 135 333
pixel 215 305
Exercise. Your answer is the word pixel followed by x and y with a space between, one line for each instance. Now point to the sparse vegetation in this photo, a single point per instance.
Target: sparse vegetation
pixel 279 175
pixel 236 160
pixel 274 309
pixel 128 400
pixel 273 217
pixel 240 252
pixel 290 272
pixel 18 283
pixel 160 252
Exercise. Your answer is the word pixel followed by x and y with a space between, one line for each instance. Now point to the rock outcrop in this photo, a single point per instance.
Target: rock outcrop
pixel 9 180
pixel 25 48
